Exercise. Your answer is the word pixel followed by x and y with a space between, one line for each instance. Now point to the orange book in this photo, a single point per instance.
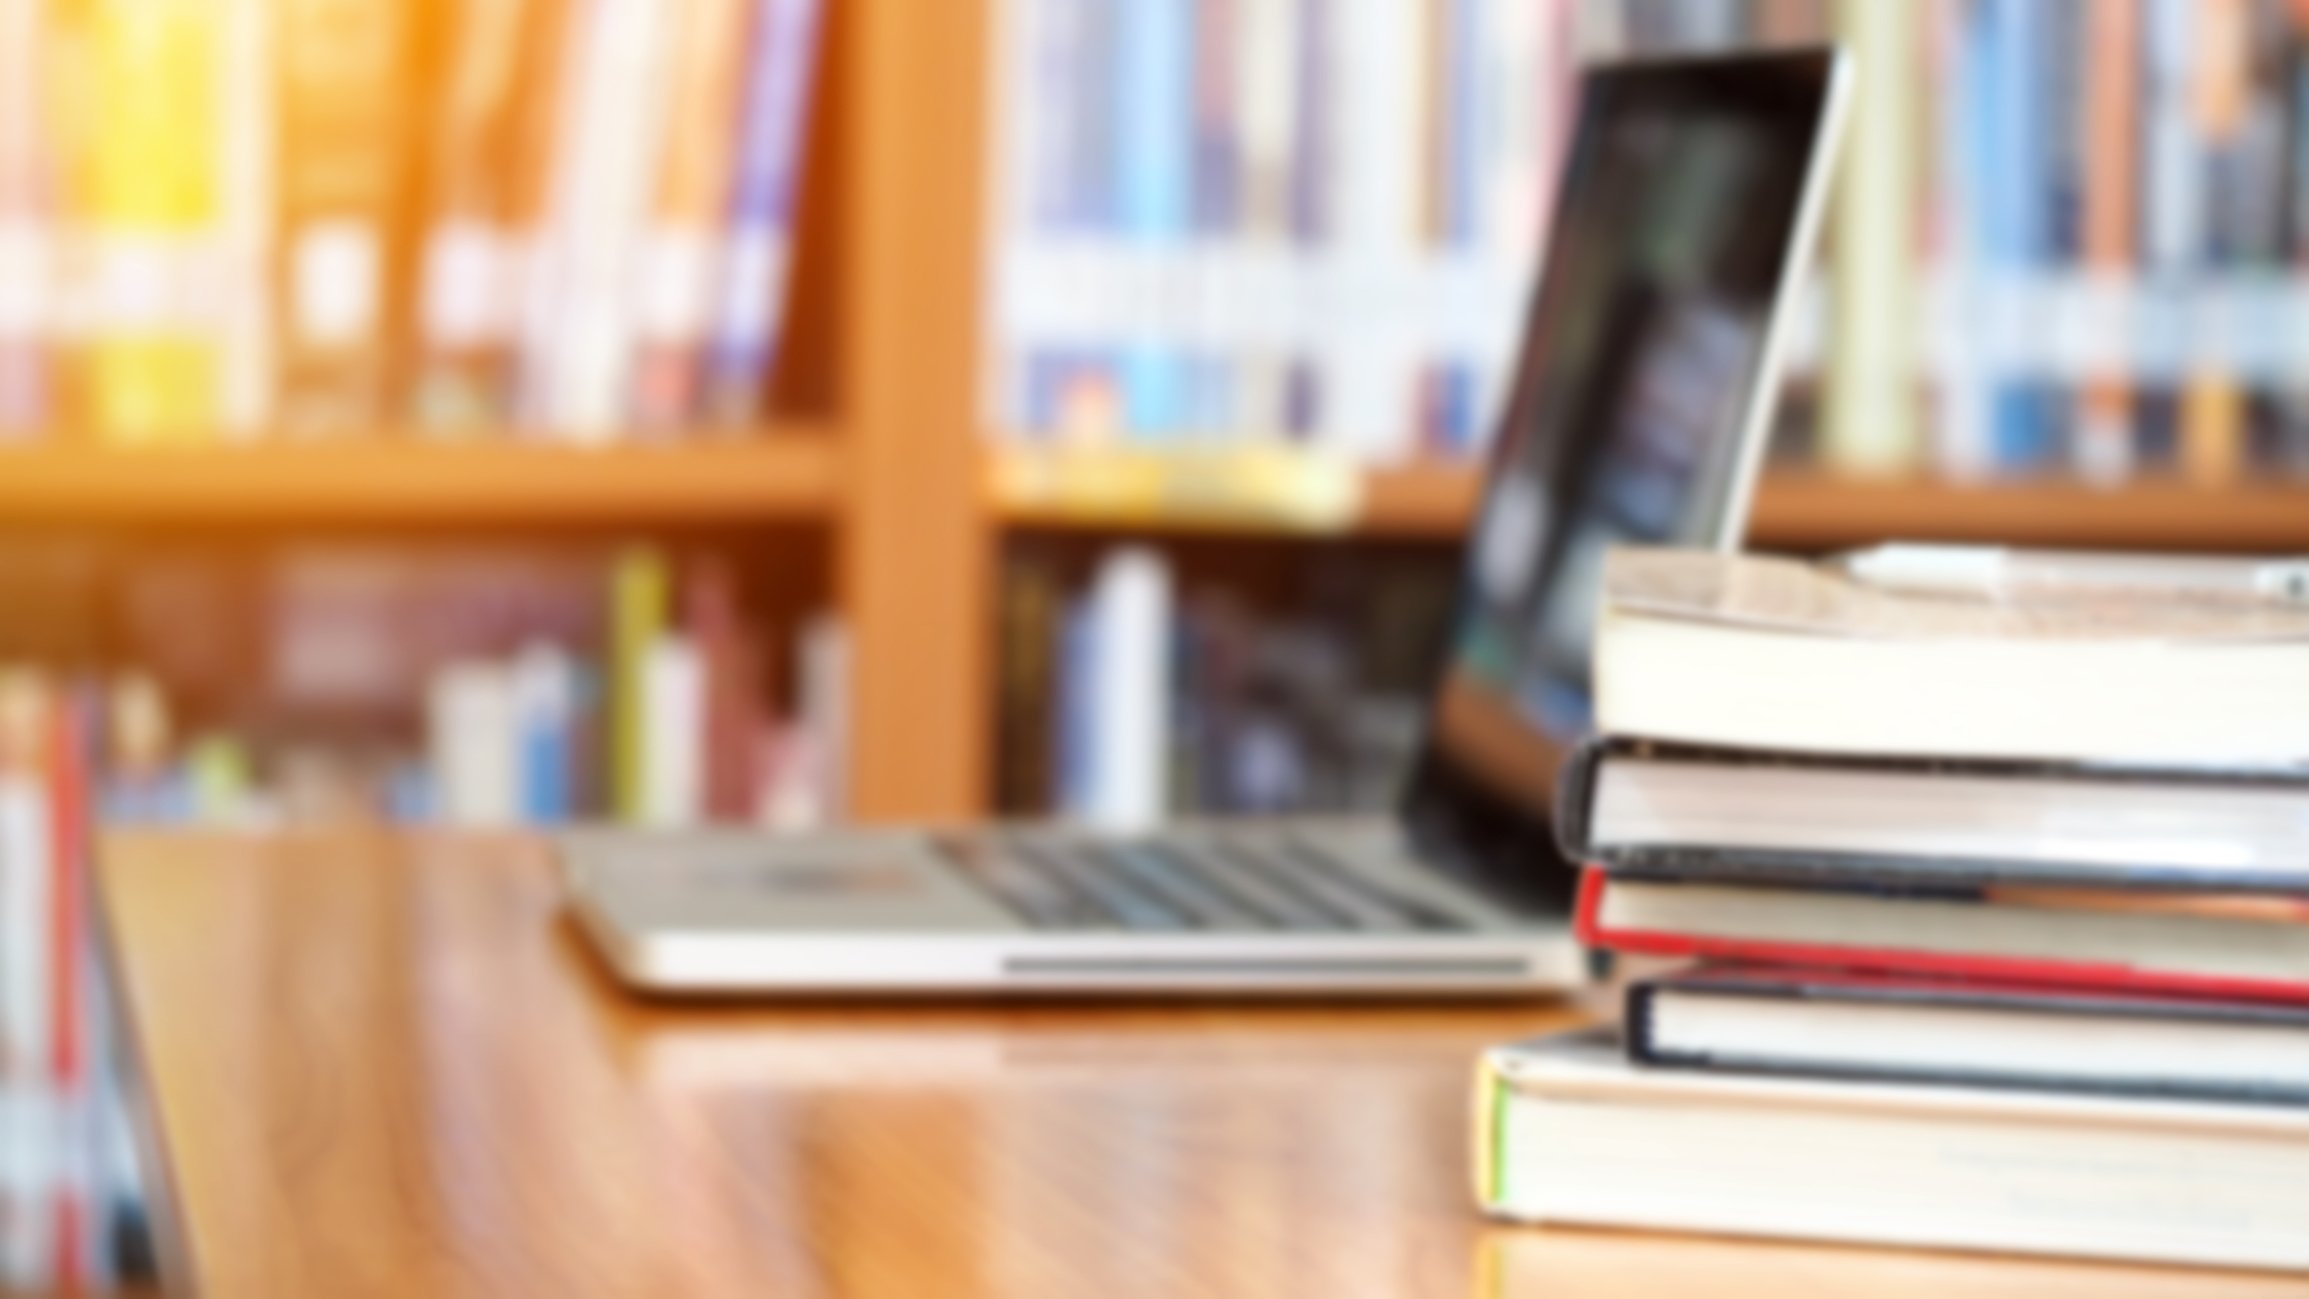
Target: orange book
pixel 692 196
pixel 2104 447
pixel 2220 93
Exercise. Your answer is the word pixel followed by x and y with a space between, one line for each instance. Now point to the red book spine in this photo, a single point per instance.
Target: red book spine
pixel 1588 924
pixel 68 1023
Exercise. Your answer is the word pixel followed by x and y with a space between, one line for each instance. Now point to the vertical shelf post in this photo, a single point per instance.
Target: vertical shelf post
pixel 916 541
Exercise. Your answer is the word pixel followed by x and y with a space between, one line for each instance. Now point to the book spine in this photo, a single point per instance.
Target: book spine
pixel 2104 443
pixel 1154 195
pixel 66 1220
pixel 757 258
pixel 26 839
pixel 673 733
pixel 1372 92
pixel 677 267
pixel 474 744
pixel 1265 99
pixel 823 658
pixel 246 202
pixel 28 243
pixel 1131 602
pixel 734 718
pixel 343 180
pixel 2219 73
pixel 2012 49
pixel 466 273
pixel 638 604
pixel 148 203
pixel 622 92
pixel 544 707
pixel 1965 448
pixel 1871 427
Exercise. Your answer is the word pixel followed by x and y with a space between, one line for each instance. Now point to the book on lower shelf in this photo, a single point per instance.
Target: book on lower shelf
pixel 2032 975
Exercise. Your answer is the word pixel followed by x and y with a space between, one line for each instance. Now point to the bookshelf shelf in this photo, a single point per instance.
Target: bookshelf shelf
pixel 791 471
pixel 1794 509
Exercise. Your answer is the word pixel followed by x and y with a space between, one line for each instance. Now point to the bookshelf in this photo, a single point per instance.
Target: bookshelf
pixel 880 441
pixel 789 472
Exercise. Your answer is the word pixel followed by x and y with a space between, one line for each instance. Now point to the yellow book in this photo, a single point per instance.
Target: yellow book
pixel 640 593
pixel 148 196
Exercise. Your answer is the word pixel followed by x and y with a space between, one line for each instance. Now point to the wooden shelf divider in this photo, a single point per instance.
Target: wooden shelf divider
pixel 780 472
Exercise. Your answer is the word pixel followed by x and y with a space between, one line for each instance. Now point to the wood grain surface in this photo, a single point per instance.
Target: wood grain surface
pixel 387 1066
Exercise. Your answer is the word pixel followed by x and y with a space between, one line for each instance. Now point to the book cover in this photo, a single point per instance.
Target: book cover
pixel 1962 1032
pixel 1569 1132
pixel 1879 933
pixel 345 72
pixel 755 281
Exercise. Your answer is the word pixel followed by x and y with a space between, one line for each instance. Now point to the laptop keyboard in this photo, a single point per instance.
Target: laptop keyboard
pixel 1163 885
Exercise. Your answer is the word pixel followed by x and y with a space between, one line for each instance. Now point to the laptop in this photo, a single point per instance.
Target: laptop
pixel 1640 400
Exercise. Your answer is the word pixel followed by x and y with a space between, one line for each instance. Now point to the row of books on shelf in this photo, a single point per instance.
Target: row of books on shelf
pixel 71 1202
pixel 2064 240
pixel 226 219
pixel 2094 212
pixel 472 686
pixel 1139 693
pixel 1989 923
pixel 1314 219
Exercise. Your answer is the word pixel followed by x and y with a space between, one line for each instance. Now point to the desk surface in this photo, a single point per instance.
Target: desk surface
pixel 385 1066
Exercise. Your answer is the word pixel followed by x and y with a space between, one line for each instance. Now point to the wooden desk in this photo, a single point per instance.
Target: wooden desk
pixel 384 1066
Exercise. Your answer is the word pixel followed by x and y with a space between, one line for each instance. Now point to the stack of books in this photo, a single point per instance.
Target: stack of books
pixel 70 1198
pixel 1994 909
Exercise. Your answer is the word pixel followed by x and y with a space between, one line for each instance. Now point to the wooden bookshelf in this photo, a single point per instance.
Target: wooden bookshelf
pixel 1794 510
pixel 782 472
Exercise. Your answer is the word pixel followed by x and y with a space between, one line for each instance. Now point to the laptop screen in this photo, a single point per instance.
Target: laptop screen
pixel 1636 415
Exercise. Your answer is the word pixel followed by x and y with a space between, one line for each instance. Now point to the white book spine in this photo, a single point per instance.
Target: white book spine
pixel 1267 39
pixel 619 120
pixel 473 744
pixel 24 1003
pixel 825 714
pixel 1131 600
pixel 245 200
pixel 1375 91
pixel 673 694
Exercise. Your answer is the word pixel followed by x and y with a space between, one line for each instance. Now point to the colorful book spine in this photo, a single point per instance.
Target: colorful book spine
pixel 734 717
pixel 467 257
pixel 638 612
pixel 28 243
pixel 2212 450
pixel 1871 428
pixel 749 311
pixel 544 690
pixel 677 266
pixel 1154 129
pixel 2111 127
pixel 148 200
pixel 2012 52
pixel 343 176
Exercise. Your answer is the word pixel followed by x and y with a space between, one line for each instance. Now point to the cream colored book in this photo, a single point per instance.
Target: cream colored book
pixel 1778 654
pixel 1567 1131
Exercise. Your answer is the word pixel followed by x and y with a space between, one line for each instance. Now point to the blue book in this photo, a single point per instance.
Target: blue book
pixel 749 317
pixel 1154 139
pixel 2014 230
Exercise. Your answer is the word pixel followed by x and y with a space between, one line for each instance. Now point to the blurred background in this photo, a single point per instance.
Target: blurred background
pixel 500 412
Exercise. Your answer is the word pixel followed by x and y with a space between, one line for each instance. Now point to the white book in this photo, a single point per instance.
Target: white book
pixel 245 206
pixel 1375 96
pixel 1569 1132
pixel 24 1030
pixel 824 658
pixel 471 737
pixel 673 732
pixel 610 156
pixel 1131 605
pixel 1266 102
pixel 1871 378
pixel 543 686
